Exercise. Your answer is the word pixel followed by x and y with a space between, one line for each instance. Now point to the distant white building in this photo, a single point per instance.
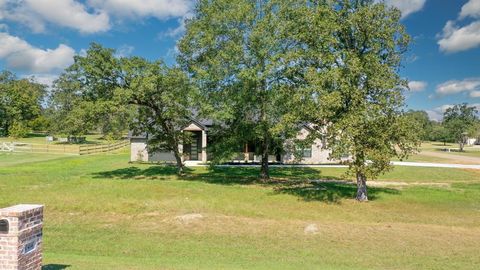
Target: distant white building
pixel 472 141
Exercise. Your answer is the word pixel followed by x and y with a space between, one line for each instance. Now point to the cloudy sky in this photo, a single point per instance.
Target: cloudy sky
pixel 40 38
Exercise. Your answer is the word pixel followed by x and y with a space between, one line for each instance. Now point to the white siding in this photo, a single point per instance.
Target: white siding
pixel 138 150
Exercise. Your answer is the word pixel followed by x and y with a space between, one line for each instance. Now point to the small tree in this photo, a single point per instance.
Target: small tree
pixel 439 133
pixel 20 103
pixel 424 124
pixel 18 130
pixel 461 121
pixel 164 98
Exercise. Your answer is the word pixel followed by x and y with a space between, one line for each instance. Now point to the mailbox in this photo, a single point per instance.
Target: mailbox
pixel 3 226
pixel 21 237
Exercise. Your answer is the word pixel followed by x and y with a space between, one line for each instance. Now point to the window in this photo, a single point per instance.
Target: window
pixel 304 151
pixel 307 152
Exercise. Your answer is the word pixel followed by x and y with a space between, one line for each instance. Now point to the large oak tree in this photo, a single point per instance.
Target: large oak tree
pixel 359 98
pixel 244 59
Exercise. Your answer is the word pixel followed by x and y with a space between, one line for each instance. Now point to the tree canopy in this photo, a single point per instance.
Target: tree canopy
pixel 359 97
pixel 165 100
pixel 20 104
pixel 242 57
pixel 461 121
pixel 83 97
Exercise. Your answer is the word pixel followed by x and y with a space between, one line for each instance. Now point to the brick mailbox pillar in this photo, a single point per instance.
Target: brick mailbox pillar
pixel 21 237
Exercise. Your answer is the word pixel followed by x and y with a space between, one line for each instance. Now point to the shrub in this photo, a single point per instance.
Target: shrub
pixel 18 130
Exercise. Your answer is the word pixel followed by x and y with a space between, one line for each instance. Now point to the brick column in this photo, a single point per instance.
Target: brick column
pixel 21 237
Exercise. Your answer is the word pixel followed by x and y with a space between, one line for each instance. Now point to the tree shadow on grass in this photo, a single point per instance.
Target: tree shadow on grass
pixel 330 191
pixel 55 267
pixel 135 173
pixel 302 182
pixel 243 175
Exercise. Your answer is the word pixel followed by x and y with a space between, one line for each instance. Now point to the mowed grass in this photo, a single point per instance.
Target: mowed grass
pixel 104 213
pixel 37 138
pixel 434 152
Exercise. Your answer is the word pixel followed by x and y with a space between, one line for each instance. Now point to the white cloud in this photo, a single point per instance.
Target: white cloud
pixel 124 51
pixel 456 39
pixel 471 9
pixel 46 79
pixel 161 9
pixel 407 7
pixel 436 114
pixel 475 94
pixel 461 38
pixel 417 86
pixel 65 13
pixel 456 86
pixel 179 30
pixel 20 55
pixel 90 16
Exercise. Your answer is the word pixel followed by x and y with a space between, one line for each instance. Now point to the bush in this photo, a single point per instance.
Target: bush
pixel 18 130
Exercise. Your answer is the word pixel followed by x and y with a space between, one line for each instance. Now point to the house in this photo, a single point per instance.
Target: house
pixel 472 141
pixel 196 151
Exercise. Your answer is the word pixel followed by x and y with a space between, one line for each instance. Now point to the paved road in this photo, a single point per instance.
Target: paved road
pixel 437 165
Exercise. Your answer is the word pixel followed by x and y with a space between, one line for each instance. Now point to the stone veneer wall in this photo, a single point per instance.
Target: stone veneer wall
pixel 21 246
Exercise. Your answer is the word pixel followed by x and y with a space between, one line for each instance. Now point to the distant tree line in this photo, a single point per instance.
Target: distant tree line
pixel 260 70
pixel 21 107
pixel 460 122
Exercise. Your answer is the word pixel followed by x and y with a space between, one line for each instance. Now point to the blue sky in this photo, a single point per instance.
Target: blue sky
pixel 40 38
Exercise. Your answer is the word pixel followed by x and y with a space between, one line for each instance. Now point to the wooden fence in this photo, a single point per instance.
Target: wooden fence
pixel 102 148
pixel 61 148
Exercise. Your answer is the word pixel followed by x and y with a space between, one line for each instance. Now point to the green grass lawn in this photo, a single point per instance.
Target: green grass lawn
pixel 104 213
pixel 429 150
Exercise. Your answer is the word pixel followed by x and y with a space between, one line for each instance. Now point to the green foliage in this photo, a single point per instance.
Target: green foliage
pixel 461 121
pixel 20 103
pixel 242 56
pixel 84 96
pixel 423 122
pixel 41 123
pixel 18 130
pixel 440 133
pixel 164 98
pixel 358 93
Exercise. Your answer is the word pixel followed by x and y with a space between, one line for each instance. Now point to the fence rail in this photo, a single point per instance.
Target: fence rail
pixel 101 148
pixel 61 148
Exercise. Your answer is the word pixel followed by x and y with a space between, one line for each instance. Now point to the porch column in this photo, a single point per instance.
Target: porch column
pixel 180 150
pixel 204 146
pixel 245 153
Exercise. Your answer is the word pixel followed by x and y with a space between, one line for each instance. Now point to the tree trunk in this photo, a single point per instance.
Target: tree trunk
pixel 180 166
pixel 461 146
pixel 361 187
pixel 264 171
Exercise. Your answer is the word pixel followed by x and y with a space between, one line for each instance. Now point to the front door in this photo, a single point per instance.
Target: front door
pixel 193 150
